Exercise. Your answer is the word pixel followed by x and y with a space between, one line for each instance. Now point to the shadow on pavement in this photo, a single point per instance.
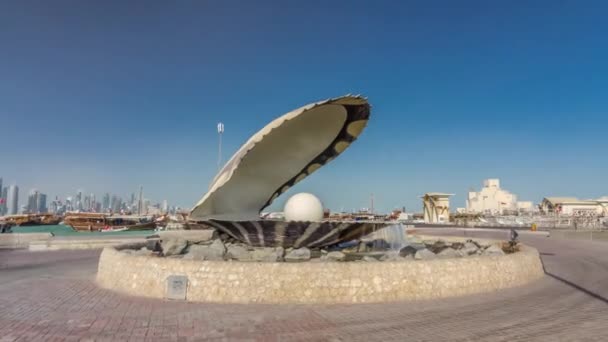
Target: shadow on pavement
pixel 571 284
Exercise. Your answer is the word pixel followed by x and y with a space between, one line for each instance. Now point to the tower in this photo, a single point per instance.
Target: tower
pixel 140 201
pixel 41 203
pixel 32 201
pixel 436 207
pixel 106 202
pixel 2 198
pixel 13 200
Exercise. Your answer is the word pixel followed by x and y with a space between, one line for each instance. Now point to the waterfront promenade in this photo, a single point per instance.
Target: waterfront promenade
pixel 49 296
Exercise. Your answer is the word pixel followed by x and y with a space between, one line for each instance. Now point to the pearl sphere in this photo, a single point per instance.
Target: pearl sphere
pixel 303 207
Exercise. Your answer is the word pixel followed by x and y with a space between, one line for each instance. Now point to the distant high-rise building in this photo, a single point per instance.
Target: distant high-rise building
pixel 12 201
pixel 2 199
pixel 32 201
pixel 41 203
pixel 93 204
pixel 116 204
pixel 36 202
pixel 165 207
pixel 53 207
pixel 140 201
pixel 4 196
pixel 113 202
pixel 146 207
pixel 69 204
pixel 105 205
pixel 78 201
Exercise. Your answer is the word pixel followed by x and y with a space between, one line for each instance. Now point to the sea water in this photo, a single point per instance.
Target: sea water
pixel 63 230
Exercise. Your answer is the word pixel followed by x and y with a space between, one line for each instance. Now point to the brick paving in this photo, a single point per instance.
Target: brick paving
pixel 51 296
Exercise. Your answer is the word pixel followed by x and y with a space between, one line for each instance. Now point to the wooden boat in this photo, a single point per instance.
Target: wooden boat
pixel 99 222
pixel 33 219
pixel 109 230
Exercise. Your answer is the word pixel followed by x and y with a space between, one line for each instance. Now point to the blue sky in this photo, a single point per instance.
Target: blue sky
pixel 110 95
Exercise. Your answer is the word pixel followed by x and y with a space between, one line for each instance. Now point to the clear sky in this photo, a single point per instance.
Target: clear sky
pixel 110 95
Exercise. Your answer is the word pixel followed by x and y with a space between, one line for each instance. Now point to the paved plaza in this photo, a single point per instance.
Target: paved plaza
pixel 51 296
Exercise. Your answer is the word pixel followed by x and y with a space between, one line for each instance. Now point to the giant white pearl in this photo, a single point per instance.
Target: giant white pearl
pixel 303 207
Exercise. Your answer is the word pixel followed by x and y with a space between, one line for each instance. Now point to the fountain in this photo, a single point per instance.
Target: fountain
pixel 280 155
pixel 305 258
pixel 394 236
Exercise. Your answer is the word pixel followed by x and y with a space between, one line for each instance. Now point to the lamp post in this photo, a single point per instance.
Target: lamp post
pixel 220 131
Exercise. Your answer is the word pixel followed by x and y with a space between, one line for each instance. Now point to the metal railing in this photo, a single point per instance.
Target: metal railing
pixel 549 221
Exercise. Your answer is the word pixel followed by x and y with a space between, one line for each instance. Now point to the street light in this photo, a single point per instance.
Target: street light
pixel 220 131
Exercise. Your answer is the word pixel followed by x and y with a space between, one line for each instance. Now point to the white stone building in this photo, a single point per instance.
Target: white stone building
pixel 603 201
pixel 494 200
pixel 525 206
pixel 574 206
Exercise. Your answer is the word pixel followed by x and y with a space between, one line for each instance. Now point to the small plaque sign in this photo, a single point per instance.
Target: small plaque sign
pixel 176 287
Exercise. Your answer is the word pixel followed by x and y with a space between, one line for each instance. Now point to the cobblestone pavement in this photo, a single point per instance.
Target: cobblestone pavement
pixel 51 296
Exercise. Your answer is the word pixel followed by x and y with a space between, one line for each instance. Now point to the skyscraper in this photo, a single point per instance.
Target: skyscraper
pixel 32 201
pixel 140 201
pixel 4 196
pixel 78 204
pixel 93 205
pixel 86 203
pixel 12 201
pixel 118 205
pixel 36 202
pixel 146 207
pixel 113 203
pixel 106 202
pixel 41 203
pixel 2 199
pixel 54 206
pixel 69 203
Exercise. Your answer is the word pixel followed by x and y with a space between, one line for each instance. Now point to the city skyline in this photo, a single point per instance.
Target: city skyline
pixel 14 200
pixel 491 199
pixel 460 92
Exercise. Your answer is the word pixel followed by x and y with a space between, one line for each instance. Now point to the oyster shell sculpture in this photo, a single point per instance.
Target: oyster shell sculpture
pixel 287 150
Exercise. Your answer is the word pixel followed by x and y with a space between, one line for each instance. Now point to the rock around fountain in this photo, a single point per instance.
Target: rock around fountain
pixel 304 259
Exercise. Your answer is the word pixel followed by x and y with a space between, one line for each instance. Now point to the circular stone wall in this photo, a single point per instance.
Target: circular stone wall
pixel 327 282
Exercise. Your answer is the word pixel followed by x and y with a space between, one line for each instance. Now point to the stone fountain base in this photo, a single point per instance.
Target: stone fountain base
pixel 143 274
